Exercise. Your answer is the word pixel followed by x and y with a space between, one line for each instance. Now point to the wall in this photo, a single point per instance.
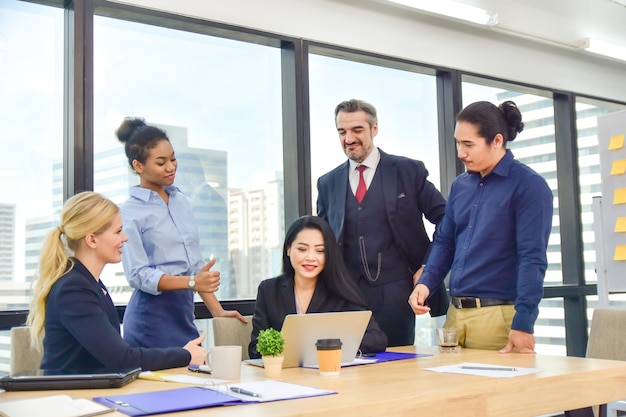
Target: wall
pixel 379 28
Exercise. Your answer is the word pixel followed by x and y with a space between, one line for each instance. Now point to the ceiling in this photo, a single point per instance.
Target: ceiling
pixel 559 23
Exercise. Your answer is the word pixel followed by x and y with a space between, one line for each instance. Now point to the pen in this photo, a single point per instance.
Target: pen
pixel 487 368
pixel 244 392
pixel 202 368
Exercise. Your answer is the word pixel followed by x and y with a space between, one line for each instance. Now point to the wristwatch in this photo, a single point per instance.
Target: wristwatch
pixel 192 282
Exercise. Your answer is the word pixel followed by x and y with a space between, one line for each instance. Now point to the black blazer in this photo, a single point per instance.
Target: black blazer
pixel 408 195
pixel 82 330
pixel 276 299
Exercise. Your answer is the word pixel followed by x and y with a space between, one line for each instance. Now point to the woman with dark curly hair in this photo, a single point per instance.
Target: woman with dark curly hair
pixel 163 261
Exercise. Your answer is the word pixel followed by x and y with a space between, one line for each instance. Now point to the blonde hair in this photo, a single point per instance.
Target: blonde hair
pixel 83 214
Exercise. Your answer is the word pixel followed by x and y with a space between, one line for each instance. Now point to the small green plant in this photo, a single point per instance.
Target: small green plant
pixel 270 342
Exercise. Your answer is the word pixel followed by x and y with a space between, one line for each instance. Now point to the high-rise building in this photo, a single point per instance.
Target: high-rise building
pixel 7 242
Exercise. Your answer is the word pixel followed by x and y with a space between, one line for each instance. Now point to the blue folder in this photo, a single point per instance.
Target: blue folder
pixel 396 356
pixel 191 398
pixel 148 403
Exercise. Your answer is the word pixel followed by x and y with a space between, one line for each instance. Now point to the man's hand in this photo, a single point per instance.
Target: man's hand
pixel 520 341
pixel 418 297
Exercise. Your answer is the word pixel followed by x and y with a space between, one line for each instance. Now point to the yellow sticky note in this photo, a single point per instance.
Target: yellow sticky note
pixel 620 253
pixel 620 224
pixel 619 196
pixel 617 142
pixel 619 167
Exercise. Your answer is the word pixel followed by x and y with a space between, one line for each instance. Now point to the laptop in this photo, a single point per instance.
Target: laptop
pixel 301 331
pixel 52 380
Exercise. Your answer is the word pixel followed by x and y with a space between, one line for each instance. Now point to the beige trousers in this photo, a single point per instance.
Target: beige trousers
pixel 482 328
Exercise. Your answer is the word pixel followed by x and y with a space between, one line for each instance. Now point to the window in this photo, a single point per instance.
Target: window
pixel 31 124
pixel 31 136
pixel 405 101
pixel 220 103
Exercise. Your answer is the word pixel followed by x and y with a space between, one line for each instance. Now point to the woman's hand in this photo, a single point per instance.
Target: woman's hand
pixel 207 280
pixel 231 313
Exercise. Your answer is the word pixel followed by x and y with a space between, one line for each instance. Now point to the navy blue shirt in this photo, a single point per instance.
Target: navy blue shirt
pixel 493 238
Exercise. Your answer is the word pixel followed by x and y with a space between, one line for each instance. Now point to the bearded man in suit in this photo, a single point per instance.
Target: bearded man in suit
pixel 378 223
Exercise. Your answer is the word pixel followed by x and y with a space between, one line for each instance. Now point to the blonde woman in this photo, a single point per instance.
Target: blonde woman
pixel 72 306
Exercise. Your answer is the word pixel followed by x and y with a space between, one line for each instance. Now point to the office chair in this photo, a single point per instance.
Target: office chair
pixel 23 356
pixel 607 341
pixel 230 331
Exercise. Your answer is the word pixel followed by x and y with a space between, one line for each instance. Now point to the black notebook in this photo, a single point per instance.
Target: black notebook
pixel 51 380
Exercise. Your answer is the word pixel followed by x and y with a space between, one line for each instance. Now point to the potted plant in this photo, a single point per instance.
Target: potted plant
pixel 270 344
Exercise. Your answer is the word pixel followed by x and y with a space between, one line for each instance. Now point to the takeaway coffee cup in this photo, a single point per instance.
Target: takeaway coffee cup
pixel 329 356
pixel 225 361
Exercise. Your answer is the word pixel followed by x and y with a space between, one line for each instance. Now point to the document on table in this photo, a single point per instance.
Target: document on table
pixel 274 391
pixel 191 398
pixel 484 369
pixel 53 406
pixel 181 378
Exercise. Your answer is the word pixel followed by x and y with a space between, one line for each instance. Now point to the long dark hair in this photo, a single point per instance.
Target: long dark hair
pixel 335 275
pixel 490 120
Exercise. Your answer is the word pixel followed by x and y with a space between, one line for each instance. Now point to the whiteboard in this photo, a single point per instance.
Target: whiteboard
pixel 612 237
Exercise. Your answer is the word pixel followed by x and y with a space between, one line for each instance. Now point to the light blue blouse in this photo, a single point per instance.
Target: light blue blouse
pixel 162 239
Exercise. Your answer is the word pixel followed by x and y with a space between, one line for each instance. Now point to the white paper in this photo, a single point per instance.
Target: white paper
pixel 274 391
pixel 181 378
pixel 53 406
pixel 495 371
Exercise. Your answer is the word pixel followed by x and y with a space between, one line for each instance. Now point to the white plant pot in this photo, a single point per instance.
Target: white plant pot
pixel 273 366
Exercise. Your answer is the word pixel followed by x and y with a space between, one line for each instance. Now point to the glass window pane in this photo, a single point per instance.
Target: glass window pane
pixel 31 125
pixel 535 147
pixel 587 112
pixel 406 104
pixel 219 101
pixel 31 136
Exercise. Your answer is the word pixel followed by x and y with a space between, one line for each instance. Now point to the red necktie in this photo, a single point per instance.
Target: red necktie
pixel 361 189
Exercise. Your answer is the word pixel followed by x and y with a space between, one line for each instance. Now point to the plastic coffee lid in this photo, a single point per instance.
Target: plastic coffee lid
pixel 328 344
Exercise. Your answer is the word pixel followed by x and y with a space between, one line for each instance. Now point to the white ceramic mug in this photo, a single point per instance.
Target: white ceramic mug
pixel 225 361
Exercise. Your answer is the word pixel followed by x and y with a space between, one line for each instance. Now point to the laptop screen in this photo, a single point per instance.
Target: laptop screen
pixel 301 332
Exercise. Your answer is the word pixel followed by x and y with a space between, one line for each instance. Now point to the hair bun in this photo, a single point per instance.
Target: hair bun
pixel 513 118
pixel 128 127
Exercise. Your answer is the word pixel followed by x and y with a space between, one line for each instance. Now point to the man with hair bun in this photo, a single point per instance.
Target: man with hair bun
pixel 493 237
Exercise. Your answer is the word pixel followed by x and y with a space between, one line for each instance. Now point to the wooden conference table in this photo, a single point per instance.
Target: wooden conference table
pixel 403 387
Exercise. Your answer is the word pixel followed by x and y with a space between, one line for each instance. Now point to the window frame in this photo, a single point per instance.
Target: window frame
pixel 78 133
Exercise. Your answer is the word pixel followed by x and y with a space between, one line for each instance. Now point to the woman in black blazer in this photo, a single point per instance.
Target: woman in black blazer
pixel 314 280
pixel 72 313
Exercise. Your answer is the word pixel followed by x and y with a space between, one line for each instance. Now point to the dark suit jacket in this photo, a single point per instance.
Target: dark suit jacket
pixel 408 194
pixel 276 299
pixel 83 330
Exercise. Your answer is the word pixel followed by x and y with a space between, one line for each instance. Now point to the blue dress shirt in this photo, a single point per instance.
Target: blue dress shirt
pixel 493 238
pixel 162 239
